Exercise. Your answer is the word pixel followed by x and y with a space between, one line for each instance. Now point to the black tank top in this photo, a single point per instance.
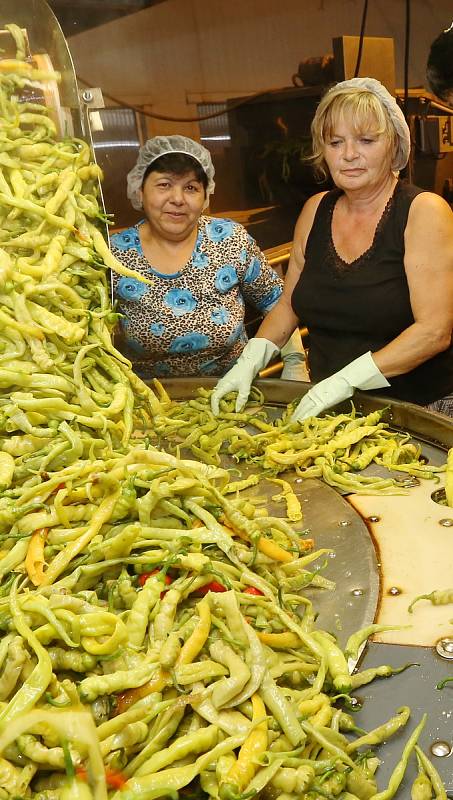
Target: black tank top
pixel 352 308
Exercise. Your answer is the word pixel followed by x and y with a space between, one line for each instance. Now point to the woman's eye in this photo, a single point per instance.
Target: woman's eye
pixel 192 188
pixel 366 140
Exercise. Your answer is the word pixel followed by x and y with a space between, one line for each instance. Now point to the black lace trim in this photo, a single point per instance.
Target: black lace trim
pixel 336 262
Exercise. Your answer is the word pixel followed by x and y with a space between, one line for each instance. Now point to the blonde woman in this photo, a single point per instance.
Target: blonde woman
pixel 371 270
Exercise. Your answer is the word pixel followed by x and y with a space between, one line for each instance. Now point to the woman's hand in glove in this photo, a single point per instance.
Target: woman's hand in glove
pixel 255 356
pixel 359 374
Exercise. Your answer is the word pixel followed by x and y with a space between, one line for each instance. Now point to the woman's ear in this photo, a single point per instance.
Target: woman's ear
pixel 140 196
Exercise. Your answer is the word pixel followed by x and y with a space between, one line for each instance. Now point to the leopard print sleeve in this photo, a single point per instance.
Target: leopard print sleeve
pixel 192 322
pixel 260 285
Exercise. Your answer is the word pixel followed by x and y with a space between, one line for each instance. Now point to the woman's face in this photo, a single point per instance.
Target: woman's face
pixel 357 159
pixel 173 203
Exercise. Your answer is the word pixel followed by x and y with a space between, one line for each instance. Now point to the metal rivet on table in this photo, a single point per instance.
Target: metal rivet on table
pixel 344 523
pixel 444 647
pixel 439 497
pixel 374 518
pixel 357 592
pixel 87 96
pixel 447 522
pixel 394 591
pixel 408 482
pixel 441 749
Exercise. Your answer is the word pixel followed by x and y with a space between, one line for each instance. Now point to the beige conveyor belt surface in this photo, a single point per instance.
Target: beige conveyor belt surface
pixel 415 553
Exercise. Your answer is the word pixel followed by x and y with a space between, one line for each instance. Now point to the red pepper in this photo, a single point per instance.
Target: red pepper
pixel 253 590
pixel 81 773
pixel 114 778
pixel 213 586
pixel 57 487
pixel 145 575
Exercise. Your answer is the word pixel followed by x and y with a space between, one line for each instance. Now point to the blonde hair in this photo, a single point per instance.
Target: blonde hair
pixel 362 107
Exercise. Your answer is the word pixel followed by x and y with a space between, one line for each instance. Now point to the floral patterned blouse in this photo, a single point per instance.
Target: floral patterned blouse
pixel 192 321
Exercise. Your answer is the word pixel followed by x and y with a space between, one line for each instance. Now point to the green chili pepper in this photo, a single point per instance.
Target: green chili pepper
pixel 382 732
pixel 398 773
pixel 434 777
pixel 443 683
pixel 173 779
pixel 438 597
pixel 421 788
pixel 97 685
pixel 357 639
pixel 37 682
pixel 228 688
pixel 383 671
pixel 197 742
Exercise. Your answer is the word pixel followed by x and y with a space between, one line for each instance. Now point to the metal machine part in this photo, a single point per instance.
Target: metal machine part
pixel 435 134
pixel 377 58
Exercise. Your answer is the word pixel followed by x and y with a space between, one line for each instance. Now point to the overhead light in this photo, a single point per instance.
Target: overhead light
pixel 215 138
pixel 116 144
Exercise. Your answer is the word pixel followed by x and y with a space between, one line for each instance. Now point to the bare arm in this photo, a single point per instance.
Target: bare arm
pixel 428 264
pixel 281 321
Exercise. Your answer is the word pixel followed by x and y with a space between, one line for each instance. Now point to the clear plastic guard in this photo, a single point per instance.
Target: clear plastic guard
pixel 46 40
pixel 48 48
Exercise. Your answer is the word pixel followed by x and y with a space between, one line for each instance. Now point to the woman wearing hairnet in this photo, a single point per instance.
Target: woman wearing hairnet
pixel 371 270
pixel 190 320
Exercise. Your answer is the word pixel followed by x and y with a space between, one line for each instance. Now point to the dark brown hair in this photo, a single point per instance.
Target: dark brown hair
pixel 177 164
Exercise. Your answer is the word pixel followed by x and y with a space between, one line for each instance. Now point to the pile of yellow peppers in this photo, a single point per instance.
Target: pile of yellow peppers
pixel 152 632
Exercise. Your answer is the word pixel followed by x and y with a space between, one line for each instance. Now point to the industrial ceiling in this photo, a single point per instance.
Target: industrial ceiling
pixel 80 15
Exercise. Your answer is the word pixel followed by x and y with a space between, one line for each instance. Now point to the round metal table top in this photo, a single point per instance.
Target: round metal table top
pixel 374 559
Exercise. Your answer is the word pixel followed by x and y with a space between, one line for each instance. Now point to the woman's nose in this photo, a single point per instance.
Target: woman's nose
pixel 350 150
pixel 177 194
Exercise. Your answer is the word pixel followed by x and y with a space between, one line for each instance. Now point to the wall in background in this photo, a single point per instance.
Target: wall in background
pixel 182 50
pixel 178 53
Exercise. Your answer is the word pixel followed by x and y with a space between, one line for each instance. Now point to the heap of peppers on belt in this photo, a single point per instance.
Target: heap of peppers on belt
pixel 153 633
